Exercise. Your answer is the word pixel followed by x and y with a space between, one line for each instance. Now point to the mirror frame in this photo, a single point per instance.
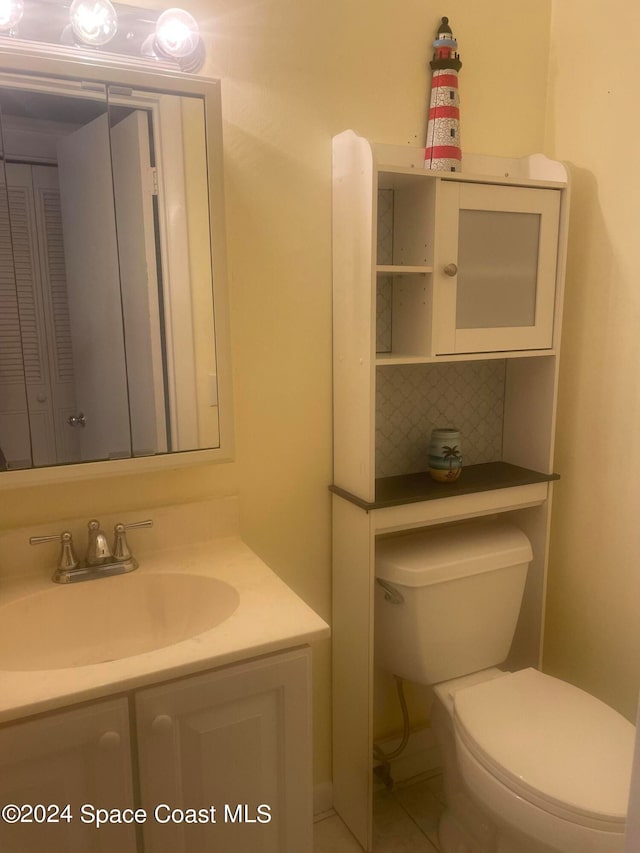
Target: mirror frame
pixel 137 74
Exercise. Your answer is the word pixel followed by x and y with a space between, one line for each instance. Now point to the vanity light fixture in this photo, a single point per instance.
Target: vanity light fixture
pixel 94 22
pixel 100 27
pixel 177 33
pixel 11 12
pixel 176 37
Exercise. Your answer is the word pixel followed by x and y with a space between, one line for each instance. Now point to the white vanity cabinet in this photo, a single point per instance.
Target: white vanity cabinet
pixel 447 295
pixel 76 757
pixel 236 738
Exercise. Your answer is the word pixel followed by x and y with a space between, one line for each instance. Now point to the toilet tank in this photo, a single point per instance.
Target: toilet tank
pixel 447 600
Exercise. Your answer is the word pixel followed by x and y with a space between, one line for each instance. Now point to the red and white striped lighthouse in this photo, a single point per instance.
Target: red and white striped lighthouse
pixel 442 149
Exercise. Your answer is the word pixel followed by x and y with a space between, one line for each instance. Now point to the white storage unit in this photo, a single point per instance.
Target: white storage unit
pixel 436 275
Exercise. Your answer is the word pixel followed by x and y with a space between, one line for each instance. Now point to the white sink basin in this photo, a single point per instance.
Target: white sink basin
pixel 110 619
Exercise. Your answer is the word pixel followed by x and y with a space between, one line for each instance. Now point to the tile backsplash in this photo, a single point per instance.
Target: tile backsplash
pixel 384 303
pixel 413 399
pixel 384 287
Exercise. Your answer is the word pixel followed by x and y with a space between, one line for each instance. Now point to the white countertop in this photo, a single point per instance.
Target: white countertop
pixel 269 618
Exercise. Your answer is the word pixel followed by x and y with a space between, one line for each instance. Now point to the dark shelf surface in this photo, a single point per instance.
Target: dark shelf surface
pixel 412 488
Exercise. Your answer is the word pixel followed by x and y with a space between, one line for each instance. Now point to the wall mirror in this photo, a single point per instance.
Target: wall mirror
pixel 113 338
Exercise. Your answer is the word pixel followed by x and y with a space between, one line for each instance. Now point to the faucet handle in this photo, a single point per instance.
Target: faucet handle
pixel 121 551
pixel 68 559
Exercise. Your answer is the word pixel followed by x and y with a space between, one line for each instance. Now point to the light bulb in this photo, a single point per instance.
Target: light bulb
pixel 11 12
pixel 177 33
pixel 94 22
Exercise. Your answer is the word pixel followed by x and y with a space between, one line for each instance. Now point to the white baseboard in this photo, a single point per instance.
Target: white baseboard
pixel 420 755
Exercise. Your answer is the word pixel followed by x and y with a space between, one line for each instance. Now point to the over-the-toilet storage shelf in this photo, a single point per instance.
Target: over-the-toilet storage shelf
pixel 448 293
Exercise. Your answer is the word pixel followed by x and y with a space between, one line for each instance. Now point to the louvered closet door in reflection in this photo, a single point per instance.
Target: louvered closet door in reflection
pixel 14 418
pixel 36 240
pixel 46 197
pixel 25 259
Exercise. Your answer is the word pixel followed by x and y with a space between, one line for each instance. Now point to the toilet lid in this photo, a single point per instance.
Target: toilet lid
pixel 550 742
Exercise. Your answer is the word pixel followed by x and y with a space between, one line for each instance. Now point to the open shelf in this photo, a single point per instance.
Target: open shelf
pixel 402 269
pixel 385 359
pixel 413 488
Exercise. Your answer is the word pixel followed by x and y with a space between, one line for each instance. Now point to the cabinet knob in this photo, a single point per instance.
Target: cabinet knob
pixel 162 724
pixel 451 269
pixel 109 741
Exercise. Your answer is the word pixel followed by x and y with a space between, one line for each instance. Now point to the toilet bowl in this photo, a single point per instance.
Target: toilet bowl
pixel 531 764
pixel 548 763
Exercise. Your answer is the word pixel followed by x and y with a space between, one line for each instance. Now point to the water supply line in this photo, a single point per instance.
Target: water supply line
pixel 384 771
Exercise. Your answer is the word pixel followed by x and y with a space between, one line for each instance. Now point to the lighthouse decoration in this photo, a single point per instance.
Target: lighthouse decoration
pixel 442 149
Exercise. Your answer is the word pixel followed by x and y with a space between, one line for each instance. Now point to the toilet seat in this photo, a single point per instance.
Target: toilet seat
pixel 550 743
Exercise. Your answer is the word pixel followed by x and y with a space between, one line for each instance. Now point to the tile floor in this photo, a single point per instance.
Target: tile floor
pixel 405 820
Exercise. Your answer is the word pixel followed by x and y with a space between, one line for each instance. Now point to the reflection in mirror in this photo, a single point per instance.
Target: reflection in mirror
pixel 107 345
pixel 67 279
pixel 161 203
pixel 100 420
pixel 14 419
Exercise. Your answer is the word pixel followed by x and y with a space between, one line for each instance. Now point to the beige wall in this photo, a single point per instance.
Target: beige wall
pixel 294 73
pixel 592 633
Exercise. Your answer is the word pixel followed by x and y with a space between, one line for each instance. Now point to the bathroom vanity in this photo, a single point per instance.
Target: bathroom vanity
pixel 448 291
pixel 141 704
pixel 185 684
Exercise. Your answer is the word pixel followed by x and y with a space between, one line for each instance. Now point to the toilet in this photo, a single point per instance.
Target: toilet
pixel 531 764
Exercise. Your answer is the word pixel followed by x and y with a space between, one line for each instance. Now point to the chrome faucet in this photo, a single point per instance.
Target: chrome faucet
pixel 100 561
pixel 98 550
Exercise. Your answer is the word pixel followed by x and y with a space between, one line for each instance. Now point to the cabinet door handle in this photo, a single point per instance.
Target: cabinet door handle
pixel 451 269
pixel 109 741
pixel 162 724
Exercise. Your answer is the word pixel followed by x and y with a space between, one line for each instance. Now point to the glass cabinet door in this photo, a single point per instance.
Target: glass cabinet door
pixel 494 280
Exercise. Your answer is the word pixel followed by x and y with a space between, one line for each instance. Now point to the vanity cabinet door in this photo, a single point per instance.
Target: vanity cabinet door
pixel 495 271
pixel 74 757
pixel 236 744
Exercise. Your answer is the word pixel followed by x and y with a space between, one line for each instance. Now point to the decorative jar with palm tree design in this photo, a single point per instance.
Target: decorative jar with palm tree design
pixel 445 458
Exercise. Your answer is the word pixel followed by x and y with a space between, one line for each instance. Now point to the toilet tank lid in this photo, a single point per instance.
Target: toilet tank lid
pixel 447 553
